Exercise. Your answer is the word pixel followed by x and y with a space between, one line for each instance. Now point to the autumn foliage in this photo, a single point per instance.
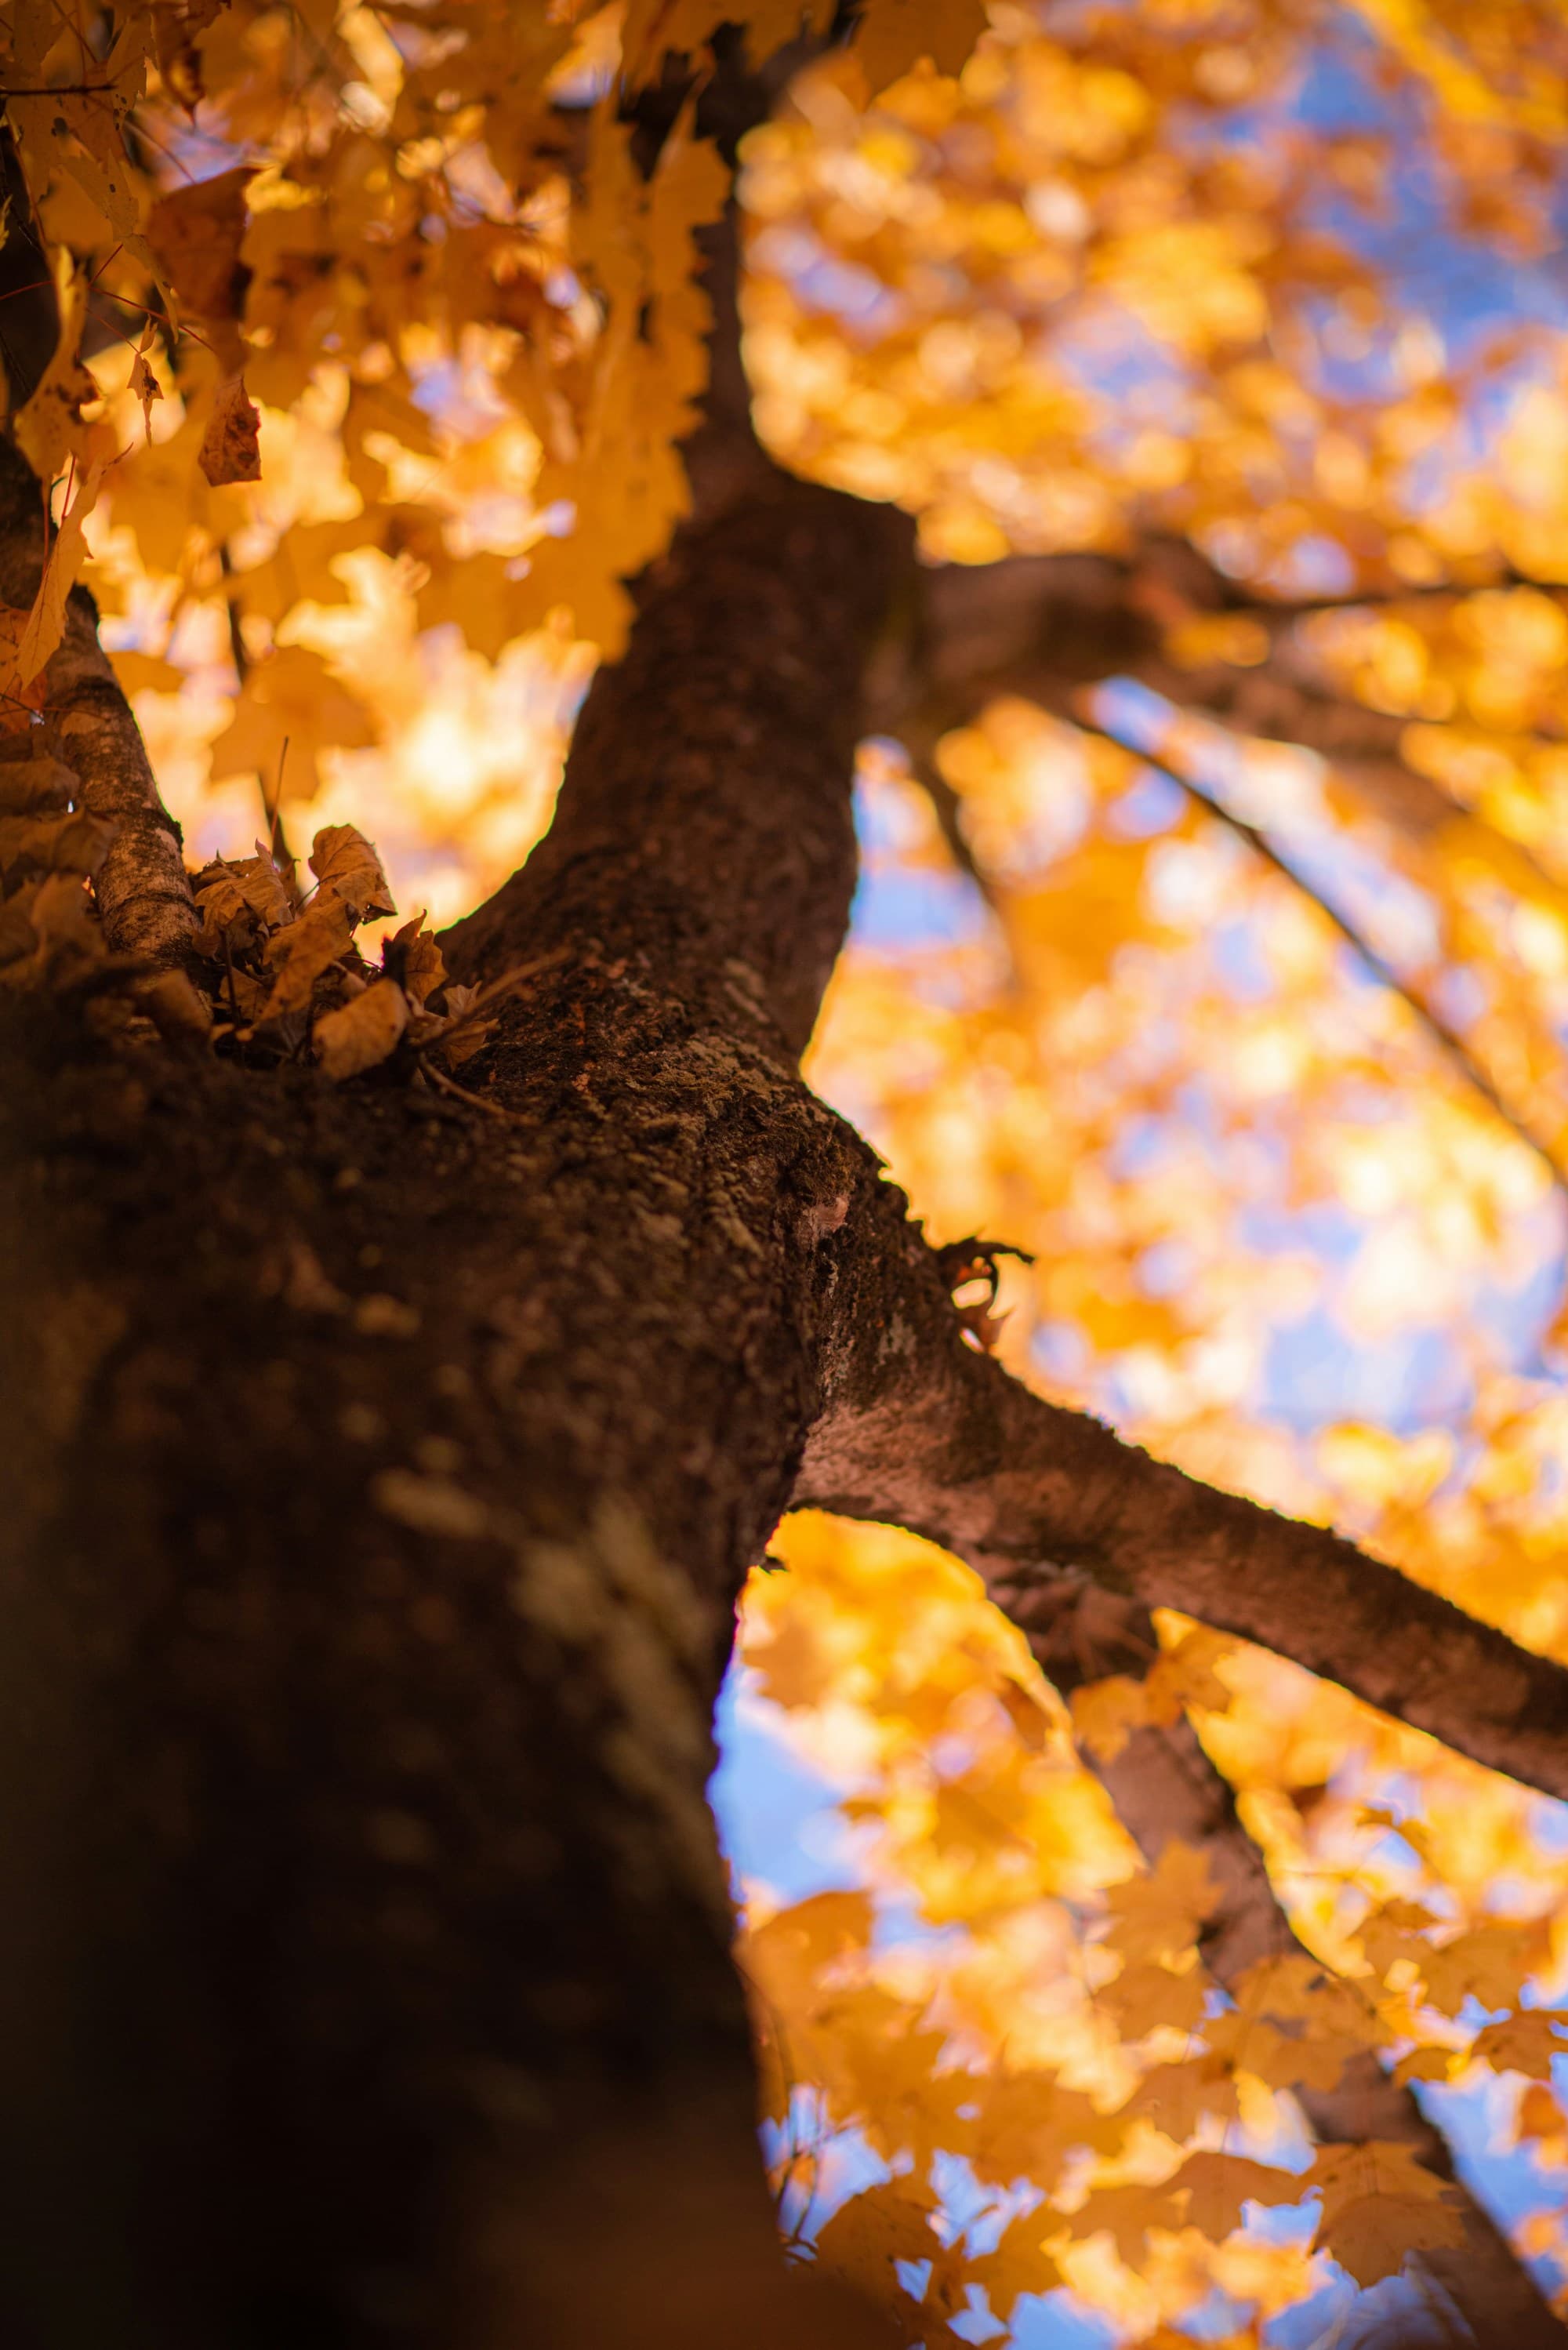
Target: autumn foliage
pixel 1212 949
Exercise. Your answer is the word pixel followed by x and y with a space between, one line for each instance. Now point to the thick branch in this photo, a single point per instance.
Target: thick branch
pixel 921 1431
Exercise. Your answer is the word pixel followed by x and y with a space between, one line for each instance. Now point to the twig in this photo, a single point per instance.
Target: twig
pixel 1452 1043
pixel 460 1093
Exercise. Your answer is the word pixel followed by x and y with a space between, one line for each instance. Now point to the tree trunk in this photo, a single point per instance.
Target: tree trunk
pixel 382 1480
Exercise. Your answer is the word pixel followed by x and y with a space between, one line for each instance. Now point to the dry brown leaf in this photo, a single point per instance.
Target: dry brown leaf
pixel 344 861
pixel 146 387
pixel 302 950
pixel 229 892
pixel 32 787
pixel 868 2233
pixel 414 957
pixel 75 842
pixel 364 1032
pixel 231 448
pixel 196 234
pixel 44 923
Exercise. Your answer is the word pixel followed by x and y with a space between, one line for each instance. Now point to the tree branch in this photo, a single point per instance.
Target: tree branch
pixel 920 1431
pixel 1166 1790
pixel 1447 1039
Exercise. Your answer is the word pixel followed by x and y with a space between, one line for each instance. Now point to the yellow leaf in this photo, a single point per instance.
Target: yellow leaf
pixel 67 552
pixel 1018 2264
pixel 1148 1998
pixel 1157 1915
pixel 1126 2214
pixel 291 697
pixel 1379 2204
pixel 1491 1963
pixel 1525 2042
pixel 1105 1714
pixel 48 427
pixel 868 2233
pixel 1216 2185
pixel 895 35
pixel 196 233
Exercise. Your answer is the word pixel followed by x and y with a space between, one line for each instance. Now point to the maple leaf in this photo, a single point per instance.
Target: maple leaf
pixel 1149 1998
pixel 291 698
pixel 1157 1915
pixel 1126 2214
pixel 1523 2043
pixel 872 2231
pixel 1379 2205
pixel 1216 2186
pixel 1175 2097
pixel 1490 1963
pixel 893 35
pixel 1018 2264
pixel 1107 1712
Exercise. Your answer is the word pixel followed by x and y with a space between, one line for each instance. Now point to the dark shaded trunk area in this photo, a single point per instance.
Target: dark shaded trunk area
pixel 381 1477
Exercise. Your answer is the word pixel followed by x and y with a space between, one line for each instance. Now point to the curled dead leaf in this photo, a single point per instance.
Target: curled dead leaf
pixel 45 924
pixel 303 949
pixel 345 864
pixel 35 786
pixel 73 843
pixel 363 1032
pixel 146 388
pixel 413 958
pixel 231 448
pixel 229 892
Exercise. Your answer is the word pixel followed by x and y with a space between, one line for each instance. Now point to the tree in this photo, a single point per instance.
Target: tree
pixel 407 1361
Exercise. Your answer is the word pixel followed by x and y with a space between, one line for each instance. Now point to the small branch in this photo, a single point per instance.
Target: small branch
pixel 1166 1790
pixel 918 1430
pixel 1449 1040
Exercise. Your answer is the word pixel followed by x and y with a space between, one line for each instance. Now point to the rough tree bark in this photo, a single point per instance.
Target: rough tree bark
pixel 381 1476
